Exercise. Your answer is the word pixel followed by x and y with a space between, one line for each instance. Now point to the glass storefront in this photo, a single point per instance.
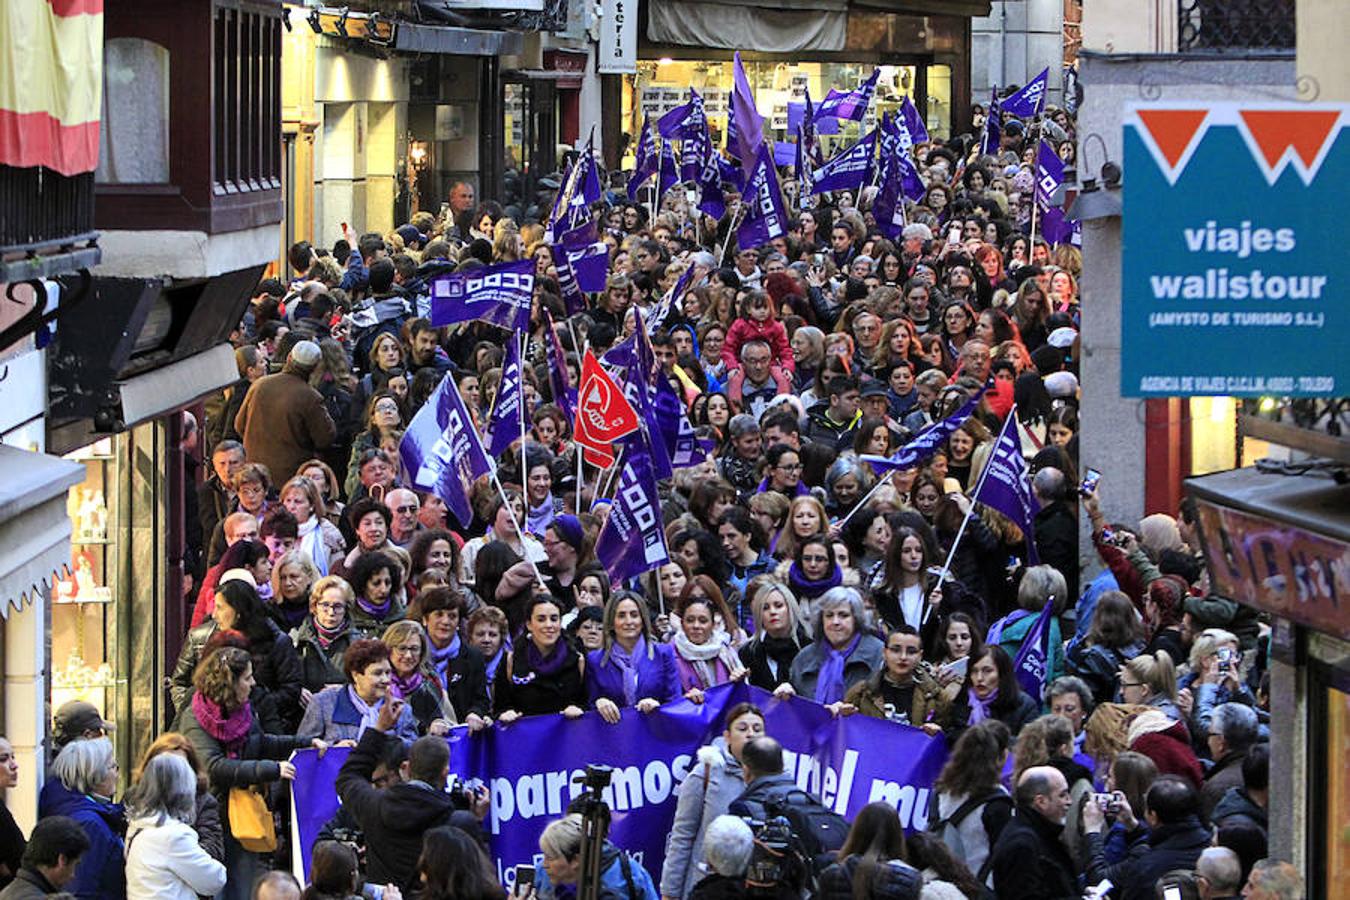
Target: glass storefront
pixel 1334 831
pixel 780 90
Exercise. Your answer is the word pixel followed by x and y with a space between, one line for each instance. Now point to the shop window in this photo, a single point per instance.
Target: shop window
pixel 134 135
pixel 1334 831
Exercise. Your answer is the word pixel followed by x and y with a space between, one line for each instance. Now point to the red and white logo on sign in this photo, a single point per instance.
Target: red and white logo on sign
pixel 603 413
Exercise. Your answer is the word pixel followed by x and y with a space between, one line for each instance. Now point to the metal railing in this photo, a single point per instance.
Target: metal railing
pixel 1217 25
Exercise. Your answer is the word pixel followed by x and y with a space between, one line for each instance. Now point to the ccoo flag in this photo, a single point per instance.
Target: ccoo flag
pixel 1030 100
pixel 849 104
pixel 442 451
pixel 500 295
pixel 1004 485
pixel 849 169
pixel 902 182
pixel 749 124
pixel 913 122
pixel 685 121
pixel 506 413
pixel 632 540
pixel 765 218
pixel 1049 175
pixel 992 134
pixel 928 441
pixel 647 160
pixel 669 174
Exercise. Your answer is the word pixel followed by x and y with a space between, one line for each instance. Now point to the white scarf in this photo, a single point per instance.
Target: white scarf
pixel 369 714
pixel 311 541
pixel 911 605
pixel 700 656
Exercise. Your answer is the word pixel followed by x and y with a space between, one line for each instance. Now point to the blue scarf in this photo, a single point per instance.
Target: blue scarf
pixel 627 663
pixel 496 660
pixel 440 659
pixel 830 682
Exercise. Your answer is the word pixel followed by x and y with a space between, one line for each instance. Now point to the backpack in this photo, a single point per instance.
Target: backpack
pixel 818 830
pixel 948 830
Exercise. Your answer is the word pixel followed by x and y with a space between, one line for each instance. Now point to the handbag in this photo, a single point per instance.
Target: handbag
pixel 251 821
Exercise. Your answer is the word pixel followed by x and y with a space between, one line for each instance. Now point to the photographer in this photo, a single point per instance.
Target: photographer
pixel 621 878
pixel 395 819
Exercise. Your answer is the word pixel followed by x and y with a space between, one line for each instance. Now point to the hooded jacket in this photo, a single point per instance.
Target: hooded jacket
pixel 100 874
pixel 165 862
pixel 713 782
pixel 395 818
pixel 618 881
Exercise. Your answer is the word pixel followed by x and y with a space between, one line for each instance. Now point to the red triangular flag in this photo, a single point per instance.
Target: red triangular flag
pixel 603 413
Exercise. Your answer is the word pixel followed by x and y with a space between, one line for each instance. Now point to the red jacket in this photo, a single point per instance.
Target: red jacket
pixel 770 331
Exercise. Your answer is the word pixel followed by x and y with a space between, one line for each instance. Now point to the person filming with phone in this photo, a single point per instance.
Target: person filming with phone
pixel 1176 839
pixel 395 819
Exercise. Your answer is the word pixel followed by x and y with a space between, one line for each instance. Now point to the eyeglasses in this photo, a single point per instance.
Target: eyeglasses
pixel 793 467
pixel 408 509
pixel 410 650
pixel 1130 684
pixel 331 607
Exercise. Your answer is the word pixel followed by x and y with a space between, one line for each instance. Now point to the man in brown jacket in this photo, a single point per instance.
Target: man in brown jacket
pixel 283 420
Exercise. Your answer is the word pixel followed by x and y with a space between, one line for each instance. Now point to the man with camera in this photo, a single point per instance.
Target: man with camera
pixel 394 819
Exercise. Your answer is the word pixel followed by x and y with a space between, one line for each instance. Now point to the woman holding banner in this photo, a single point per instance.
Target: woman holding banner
pixel 543 674
pixel 633 669
pixel 704 656
pixel 844 652
pixel 705 794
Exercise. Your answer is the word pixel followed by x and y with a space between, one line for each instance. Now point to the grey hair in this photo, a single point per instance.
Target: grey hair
pixel 1071 684
pixel 1221 868
pixel 82 765
pixel 167 786
pixel 840 596
pixel 562 838
pixel 848 465
pixel 727 845
pixel 1238 725
pixel 1040 583
pixel 1049 483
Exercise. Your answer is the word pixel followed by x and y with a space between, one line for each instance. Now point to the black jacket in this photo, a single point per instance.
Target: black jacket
pixel 395 818
pixel 1176 845
pixel 520 688
pixel 213 505
pixel 466 683
pixel 893 880
pixel 319 667
pixel 276 670
pixel 754 800
pixel 958 715
pixel 1057 541
pixel 1029 862
pixel 755 656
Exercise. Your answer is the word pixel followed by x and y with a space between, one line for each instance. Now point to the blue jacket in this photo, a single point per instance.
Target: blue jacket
pixel 333 717
pixel 613 881
pixel 101 873
pixel 657 676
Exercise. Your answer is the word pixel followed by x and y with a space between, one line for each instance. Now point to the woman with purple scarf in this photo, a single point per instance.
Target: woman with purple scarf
pixel 990 691
pixel 233 749
pixel 632 669
pixel 543 674
pixel 340 714
pixel 377 579
pixel 423 693
pixel 453 661
pixel 843 653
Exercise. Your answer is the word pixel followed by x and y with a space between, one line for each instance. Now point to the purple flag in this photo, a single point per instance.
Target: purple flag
pixel 928 441
pixel 506 415
pixel 1030 100
pixel 1058 230
pixel 849 104
pixel 670 170
pixel 902 181
pixel 847 170
pixel 563 393
pixel 1005 485
pixel 683 121
pixel 640 389
pixel 711 200
pixel 677 432
pixel 909 114
pixel 749 125
pixel 992 133
pixel 500 295
pixel 632 540
pixel 674 298
pixel 442 451
pixel 588 257
pixel 647 161
pixel 765 218
pixel 1032 663
pixel 1049 175
pixel 731 173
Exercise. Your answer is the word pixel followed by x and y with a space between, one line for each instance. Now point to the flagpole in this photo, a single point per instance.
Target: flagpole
pixel 965 520
pixel 881 480
pixel 524 472
pixel 731 229
pixel 520 532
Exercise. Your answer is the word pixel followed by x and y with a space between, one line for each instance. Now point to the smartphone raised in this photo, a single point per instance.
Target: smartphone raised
pixel 524 879
pixel 1090 481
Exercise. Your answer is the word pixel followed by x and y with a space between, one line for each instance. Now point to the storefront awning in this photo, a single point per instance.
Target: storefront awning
pixel 412 38
pixel 34 527
pixel 790 28
pixel 929 7
pixel 177 384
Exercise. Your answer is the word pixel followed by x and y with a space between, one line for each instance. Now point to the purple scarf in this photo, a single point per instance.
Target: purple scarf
pixel 402 687
pixel 492 664
pixel 376 612
pixel 830 681
pixel 980 709
pixel 627 663
pixel 551 664
pixel 231 731
pixel 804 587
pixel 440 659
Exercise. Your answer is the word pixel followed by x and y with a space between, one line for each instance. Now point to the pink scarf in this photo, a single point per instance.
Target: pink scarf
pixel 231 731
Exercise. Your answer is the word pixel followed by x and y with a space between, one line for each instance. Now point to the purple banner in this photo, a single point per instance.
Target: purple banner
pixel 918 132
pixel 848 169
pixel 633 539
pixel 1049 175
pixel 848 104
pixel 646 163
pixel 1029 100
pixel 499 295
pixel 530 769
pixel 506 414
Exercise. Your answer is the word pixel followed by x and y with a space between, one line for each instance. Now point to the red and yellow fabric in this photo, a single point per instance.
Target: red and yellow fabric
pixel 51 83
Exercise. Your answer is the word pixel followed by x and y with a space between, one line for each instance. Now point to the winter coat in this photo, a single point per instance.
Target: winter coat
pixel 1030 862
pixel 11 845
pixel 892 880
pixel 276 670
pixel 210 833
pixel 395 818
pixel 657 679
pixel 1169 748
pixel 1226 775
pixel 364 625
pixel 819 428
pixel 771 331
pixel 714 781
pixel 928 704
pixel 1175 845
pixel 465 682
pixel 1056 529
pixel 975 835
pixel 618 881
pixel 1238 803
pixel 319 667
pixel 332 717
pixel 1015 716
pixel 519 687
pixel 165 862
pixel 28 884
pixel 768 671
pixel 1099 666
pixel 867 658
pixel 1016 626
pixel 284 423
pixel 100 874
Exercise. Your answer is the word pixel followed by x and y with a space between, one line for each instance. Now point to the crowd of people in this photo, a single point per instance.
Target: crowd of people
pixel 334 604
